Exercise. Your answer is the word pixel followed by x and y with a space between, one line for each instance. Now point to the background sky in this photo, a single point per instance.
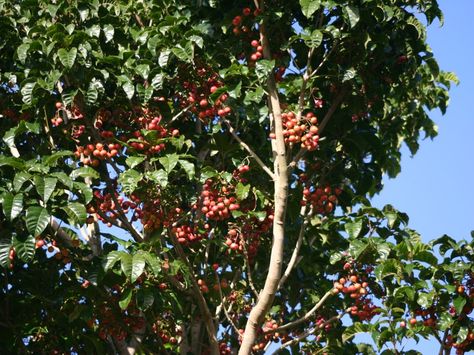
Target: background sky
pixel 435 187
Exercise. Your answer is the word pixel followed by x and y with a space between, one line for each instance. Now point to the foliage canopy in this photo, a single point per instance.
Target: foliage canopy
pixel 174 172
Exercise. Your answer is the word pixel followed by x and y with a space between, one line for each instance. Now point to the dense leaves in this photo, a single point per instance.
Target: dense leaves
pixel 137 177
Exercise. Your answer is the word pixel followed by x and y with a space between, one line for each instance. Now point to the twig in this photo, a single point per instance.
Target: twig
pixel 294 255
pixel 337 101
pixel 184 110
pixel 309 332
pixel 305 317
pixel 248 149
pixel 223 303
pixel 206 313
pixel 249 272
pixel 324 60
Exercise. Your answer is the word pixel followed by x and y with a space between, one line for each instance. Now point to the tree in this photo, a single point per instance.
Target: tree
pixel 194 177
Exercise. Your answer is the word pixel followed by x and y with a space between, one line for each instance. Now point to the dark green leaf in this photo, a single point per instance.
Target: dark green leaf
pixel 24 247
pixel 138 266
pixel 145 298
pixel 126 298
pixel 67 57
pixel 37 218
pixel 45 186
pixel 76 212
pixel 188 168
pixel 309 7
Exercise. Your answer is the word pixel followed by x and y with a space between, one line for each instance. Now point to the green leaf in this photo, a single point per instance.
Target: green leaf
pixel 126 298
pixel 242 191
pixel 27 92
pixel 462 334
pixel 138 266
pixel 144 298
pixel 353 229
pixel 12 205
pixel 158 176
pixel 143 70
pixel 5 246
pixel 425 300
pixel 154 263
pixel 111 259
pixel 263 68
pixel 20 179
pixel 309 7
pixel 352 14
pixel 76 212
pixel 188 168
pixel 163 58
pixel 355 329
pixel 169 162
pixel 45 186
pixel 459 303
pixel 157 81
pixel 85 190
pixel 67 57
pixel 85 172
pixel 132 162
pixel 126 263
pixel 37 218
pixel 108 32
pixel 24 247
pixel 183 54
pixel 64 179
pixel 334 258
pixel 22 52
pixel 52 160
pixel 13 162
pixel 445 321
pixel 129 89
pixel 130 179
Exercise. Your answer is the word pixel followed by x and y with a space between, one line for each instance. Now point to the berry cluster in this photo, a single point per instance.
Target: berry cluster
pixel 196 93
pixel 323 200
pixel 92 154
pixel 217 200
pixel 303 131
pixel 247 237
pixel 187 234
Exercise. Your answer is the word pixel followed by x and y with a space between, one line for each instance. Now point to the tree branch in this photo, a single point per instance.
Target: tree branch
pixel 248 149
pixel 309 332
pixel 294 255
pixel 280 182
pixel 204 309
pixel 306 317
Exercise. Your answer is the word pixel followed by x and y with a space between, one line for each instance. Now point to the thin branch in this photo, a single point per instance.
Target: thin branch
pixel 306 77
pixel 305 318
pixel 206 313
pixel 296 250
pixel 184 110
pixel 248 149
pixel 249 271
pixel 337 101
pixel 324 60
pixel 227 315
pixel 309 332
